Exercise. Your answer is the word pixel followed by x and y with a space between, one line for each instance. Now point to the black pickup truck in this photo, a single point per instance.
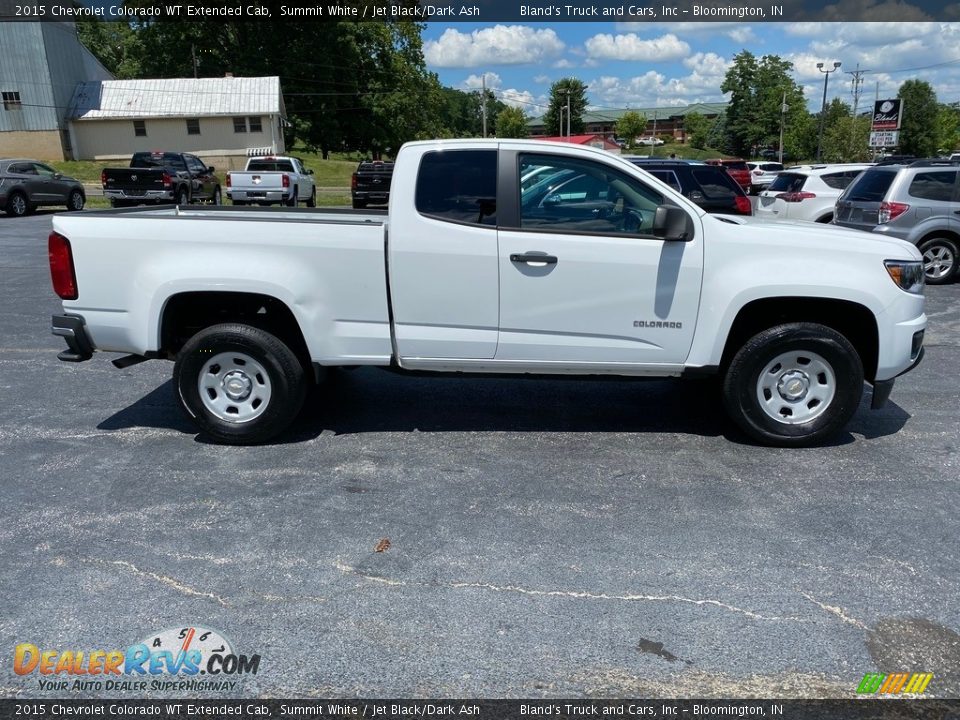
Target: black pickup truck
pixel 161 178
pixel 370 184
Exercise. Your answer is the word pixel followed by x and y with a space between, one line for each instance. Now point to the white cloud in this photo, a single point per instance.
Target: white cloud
pixel 563 64
pixel 475 82
pixel 631 47
pixel 522 99
pixel 498 45
pixel 707 64
pixel 541 79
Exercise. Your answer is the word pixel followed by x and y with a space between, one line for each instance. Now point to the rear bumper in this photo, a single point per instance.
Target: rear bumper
pixel 143 196
pixel 72 328
pixel 264 196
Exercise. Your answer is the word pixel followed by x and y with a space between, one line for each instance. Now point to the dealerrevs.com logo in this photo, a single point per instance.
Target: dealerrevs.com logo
pixel 168 660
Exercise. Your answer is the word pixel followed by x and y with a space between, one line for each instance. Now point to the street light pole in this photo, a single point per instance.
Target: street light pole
pixel 823 105
pixel 568 113
pixel 783 116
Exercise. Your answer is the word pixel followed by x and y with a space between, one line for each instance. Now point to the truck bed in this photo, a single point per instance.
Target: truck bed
pixel 338 254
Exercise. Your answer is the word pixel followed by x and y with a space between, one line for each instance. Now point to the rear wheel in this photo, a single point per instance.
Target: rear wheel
pixel 312 200
pixel 17 205
pixel 292 202
pixel 940 259
pixel 359 204
pixel 76 200
pixel 239 384
pixel 239 202
pixel 794 385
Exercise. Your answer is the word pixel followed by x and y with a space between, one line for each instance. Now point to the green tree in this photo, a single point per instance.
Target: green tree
pixel 696 127
pixel 560 91
pixel 948 128
pixel 113 44
pixel 757 91
pixel 512 123
pixel 845 137
pixel 630 126
pixel 918 127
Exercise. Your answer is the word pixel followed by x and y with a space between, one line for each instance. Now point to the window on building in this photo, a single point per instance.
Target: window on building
pixel 140 128
pixel 255 124
pixel 11 100
pixel 193 126
pixel 239 124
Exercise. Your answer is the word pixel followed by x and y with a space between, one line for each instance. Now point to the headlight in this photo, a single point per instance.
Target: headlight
pixel 907 274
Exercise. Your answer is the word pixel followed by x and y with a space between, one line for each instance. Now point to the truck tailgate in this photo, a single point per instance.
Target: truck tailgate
pixel 134 181
pixel 328 268
pixel 256 180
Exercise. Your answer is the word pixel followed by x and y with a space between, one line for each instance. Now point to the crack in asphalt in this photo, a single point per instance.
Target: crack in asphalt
pixel 169 581
pixel 575 594
pixel 835 610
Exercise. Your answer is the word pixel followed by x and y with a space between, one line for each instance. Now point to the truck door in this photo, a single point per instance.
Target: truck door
pixel 583 280
pixel 443 254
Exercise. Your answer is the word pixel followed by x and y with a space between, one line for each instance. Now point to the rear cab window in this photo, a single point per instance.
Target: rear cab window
pixel 458 186
pixel 270 166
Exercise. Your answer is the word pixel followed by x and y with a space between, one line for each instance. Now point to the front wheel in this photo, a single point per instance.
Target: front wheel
pixel 940 260
pixel 76 201
pixel 217 198
pixel 239 384
pixel 183 196
pixel 794 385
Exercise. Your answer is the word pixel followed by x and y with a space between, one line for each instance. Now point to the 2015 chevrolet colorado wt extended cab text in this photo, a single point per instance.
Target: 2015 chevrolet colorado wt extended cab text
pixel 605 271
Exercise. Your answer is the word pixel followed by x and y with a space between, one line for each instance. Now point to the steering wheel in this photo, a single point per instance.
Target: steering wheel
pixel 631 220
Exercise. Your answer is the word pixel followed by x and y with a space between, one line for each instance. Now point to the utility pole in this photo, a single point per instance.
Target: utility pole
pixel 193 54
pixel 823 105
pixel 568 113
pixel 653 140
pixel 483 103
pixel 857 82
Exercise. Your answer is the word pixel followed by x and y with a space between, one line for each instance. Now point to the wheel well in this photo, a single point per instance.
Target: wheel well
pixel 186 314
pixel 825 218
pixel 948 234
pixel 850 319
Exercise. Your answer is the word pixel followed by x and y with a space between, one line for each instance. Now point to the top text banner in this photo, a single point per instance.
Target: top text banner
pixel 625 11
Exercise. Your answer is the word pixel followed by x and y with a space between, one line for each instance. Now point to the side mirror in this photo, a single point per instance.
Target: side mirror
pixel 672 223
pixel 210 169
pixel 309 172
pixel 57 176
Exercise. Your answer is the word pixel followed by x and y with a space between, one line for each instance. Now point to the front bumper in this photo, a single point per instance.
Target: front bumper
pixel 883 388
pixel 72 328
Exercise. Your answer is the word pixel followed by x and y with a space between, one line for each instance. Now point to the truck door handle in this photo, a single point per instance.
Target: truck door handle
pixel 534 258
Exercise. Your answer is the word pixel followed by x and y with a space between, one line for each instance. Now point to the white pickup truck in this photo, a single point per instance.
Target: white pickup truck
pixel 597 269
pixel 272 180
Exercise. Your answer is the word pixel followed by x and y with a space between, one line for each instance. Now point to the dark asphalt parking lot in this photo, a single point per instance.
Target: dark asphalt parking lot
pixel 547 538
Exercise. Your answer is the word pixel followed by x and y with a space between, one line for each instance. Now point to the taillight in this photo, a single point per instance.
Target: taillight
pixel 103 178
pixel 167 179
pixel 891 211
pixel 228 180
pixel 61 267
pixel 795 196
pixel 286 181
pixel 353 181
pixel 744 206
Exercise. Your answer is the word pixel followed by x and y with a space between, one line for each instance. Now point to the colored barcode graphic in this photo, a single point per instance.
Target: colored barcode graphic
pixel 894 683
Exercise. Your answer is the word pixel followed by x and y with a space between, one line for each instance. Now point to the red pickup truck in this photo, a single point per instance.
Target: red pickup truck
pixel 738 170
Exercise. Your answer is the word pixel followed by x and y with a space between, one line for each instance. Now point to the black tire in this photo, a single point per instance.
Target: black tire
pixel 292 202
pixel 941 258
pixel 217 198
pixel 312 200
pixel 183 196
pixel 284 387
pixel 359 204
pixel 18 205
pixel 76 201
pixel 239 202
pixel 118 203
pixel 743 385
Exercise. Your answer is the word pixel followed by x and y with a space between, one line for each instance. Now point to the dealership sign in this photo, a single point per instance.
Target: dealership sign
pixel 886 115
pixel 885 138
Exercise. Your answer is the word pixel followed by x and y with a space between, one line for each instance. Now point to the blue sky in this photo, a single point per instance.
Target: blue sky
pixel 663 64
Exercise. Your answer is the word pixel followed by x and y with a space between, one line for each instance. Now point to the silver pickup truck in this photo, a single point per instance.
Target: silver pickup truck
pixel 272 180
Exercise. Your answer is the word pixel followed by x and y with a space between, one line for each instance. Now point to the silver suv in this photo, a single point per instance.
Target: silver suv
pixel 919 203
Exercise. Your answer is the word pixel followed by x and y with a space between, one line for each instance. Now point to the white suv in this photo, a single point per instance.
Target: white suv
pixel 807 192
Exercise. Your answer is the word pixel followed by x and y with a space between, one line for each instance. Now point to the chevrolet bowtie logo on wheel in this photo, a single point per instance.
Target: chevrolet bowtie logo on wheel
pixel 894 683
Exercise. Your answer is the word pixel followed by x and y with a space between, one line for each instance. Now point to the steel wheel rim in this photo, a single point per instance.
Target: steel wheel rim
pixel 937 261
pixel 796 387
pixel 19 205
pixel 234 387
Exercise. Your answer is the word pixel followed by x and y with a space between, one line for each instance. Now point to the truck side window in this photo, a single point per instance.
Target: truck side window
pixel 581 196
pixel 458 186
